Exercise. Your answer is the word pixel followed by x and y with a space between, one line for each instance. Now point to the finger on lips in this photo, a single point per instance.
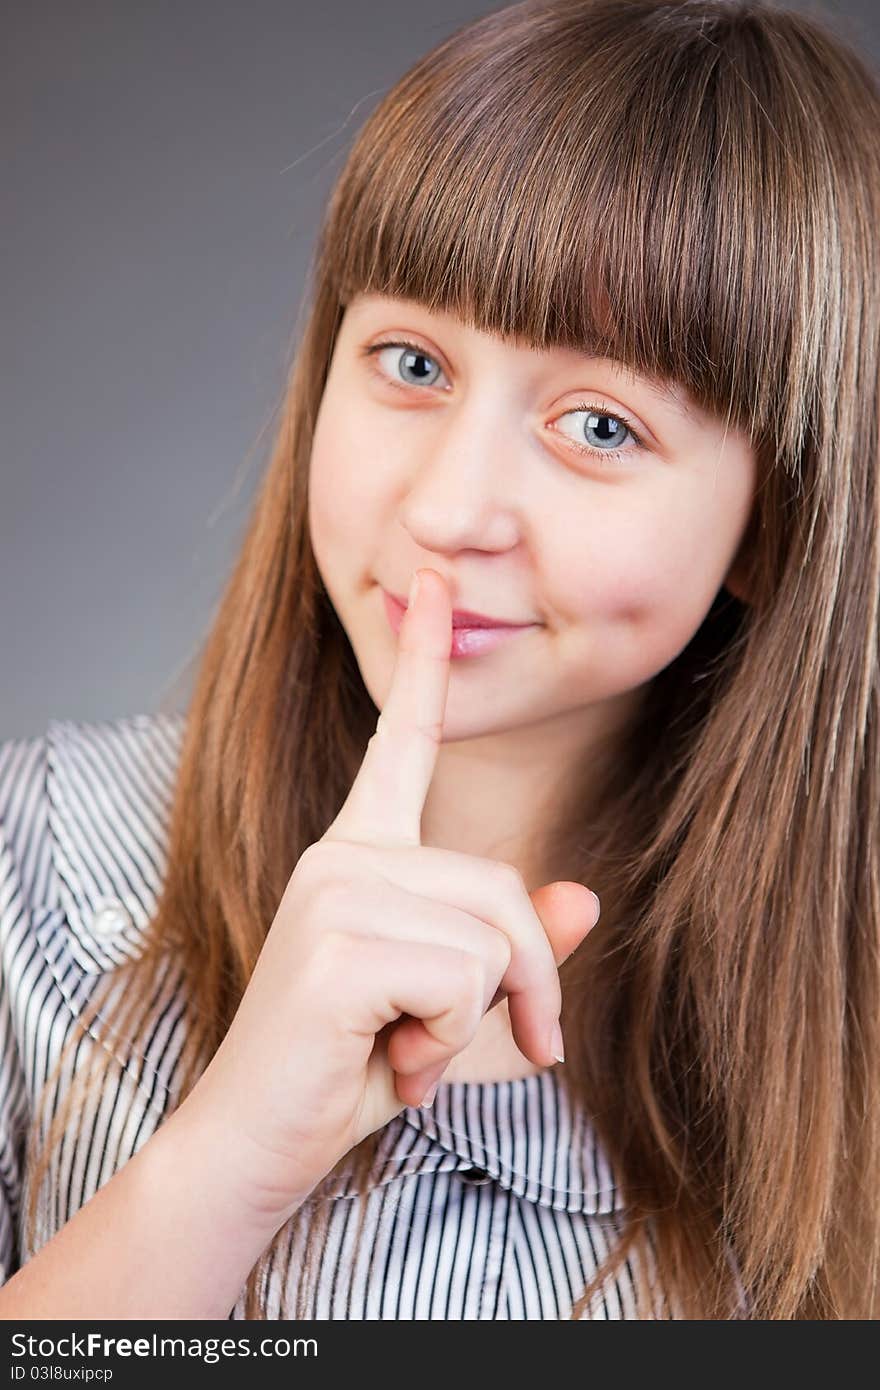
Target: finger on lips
pixel 388 795
pixel 384 808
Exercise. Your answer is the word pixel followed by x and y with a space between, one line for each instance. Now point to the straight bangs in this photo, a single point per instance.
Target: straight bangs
pixel 638 186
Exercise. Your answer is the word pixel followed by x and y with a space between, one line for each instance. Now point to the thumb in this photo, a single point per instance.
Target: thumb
pixel 567 912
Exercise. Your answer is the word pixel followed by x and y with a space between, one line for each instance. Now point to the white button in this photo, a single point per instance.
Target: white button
pixel 110 918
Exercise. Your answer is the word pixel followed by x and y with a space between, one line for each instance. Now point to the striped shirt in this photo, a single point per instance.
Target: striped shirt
pixel 496 1203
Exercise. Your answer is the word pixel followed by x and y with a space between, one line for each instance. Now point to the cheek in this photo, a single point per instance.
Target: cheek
pixel 657 577
pixel 624 570
pixel 339 483
pixel 640 587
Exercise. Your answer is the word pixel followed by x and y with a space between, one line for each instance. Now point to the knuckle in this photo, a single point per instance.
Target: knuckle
pixel 509 878
pixel 459 1034
pixel 335 896
pixel 333 946
pixel 502 951
pixel 473 986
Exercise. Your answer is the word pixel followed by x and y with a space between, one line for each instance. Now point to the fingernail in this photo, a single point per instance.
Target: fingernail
pixel 556 1044
pixel 413 589
pixel 598 907
pixel 428 1098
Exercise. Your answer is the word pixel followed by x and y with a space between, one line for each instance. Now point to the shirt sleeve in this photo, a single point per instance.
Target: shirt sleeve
pixel 22 846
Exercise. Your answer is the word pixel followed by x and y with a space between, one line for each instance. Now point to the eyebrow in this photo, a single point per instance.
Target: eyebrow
pixel 677 399
pixel 665 395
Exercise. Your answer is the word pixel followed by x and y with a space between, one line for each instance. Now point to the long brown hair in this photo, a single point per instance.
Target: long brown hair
pixel 692 189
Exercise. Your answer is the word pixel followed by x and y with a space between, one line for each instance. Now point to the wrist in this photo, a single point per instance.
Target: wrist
pixel 187 1157
pixel 203 1152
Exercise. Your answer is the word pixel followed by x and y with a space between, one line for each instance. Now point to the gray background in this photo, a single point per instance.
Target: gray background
pixel 164 166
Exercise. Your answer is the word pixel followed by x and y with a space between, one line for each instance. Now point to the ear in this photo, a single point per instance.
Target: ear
pixel 738 580
pixel 735 583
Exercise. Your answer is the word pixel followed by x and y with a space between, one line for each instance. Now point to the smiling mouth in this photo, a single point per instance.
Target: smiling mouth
pixel 465 640
pixel 462 617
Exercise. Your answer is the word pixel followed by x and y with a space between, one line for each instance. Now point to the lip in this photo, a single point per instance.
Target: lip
pixel 462 617
pixel 466 640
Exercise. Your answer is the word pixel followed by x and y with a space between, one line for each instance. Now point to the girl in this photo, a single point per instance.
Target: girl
pixel 593 349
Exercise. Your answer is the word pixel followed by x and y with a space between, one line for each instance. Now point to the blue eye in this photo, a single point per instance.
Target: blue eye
pixel 595 423
pixel 414 360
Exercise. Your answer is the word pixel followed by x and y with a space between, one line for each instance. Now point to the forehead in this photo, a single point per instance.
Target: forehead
pixel 364 308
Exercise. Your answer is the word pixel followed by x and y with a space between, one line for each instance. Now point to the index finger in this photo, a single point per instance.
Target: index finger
pixel 387 797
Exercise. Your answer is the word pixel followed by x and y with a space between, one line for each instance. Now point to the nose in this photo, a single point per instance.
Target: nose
pixel 465 486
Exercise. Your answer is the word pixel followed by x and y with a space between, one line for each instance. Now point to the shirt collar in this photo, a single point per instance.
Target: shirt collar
pixel 526 1134
pixel 109 789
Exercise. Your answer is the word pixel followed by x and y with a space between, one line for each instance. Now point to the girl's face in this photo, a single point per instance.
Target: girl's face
pixel 491 463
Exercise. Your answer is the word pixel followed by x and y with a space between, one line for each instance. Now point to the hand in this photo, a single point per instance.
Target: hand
pixel 382 958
